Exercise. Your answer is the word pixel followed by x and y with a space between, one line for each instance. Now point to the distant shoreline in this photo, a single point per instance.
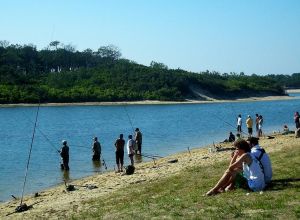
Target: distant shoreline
pixel 293 90
pixel 155 102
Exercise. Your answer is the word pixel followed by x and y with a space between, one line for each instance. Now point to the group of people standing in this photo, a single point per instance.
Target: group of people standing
pixel 134 146
pixel 249 123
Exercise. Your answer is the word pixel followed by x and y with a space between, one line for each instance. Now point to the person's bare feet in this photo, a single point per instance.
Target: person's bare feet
pixel 211 192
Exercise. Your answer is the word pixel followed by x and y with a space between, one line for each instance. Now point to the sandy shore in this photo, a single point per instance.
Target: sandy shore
pixel 57 203
pixel 153 102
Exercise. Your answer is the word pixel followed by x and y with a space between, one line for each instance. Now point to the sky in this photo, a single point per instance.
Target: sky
pixel 257 36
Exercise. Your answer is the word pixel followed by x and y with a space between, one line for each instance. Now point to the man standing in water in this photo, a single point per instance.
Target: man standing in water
pixel 96 150
pixel 119 144
pixel 138 140
pixel 64 153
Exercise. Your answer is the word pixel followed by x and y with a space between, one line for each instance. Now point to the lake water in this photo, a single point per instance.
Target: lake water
pixel 166 129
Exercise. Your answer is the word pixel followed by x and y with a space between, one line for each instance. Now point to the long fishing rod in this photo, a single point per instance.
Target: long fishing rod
pixel 51 144
pixel 29 156
pixel 128 118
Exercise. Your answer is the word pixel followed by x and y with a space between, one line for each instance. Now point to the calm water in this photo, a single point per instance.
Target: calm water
pixel 166 129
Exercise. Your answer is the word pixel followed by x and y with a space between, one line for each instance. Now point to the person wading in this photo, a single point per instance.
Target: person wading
pixel 96 150
pixel 119 144
pixel 64 153
pixel 138 141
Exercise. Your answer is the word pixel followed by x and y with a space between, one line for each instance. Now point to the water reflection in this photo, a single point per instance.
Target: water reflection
pixel 138 158
pixel 65 176
pixel 97 166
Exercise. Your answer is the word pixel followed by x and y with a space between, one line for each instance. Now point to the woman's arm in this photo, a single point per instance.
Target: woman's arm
pixel 238 164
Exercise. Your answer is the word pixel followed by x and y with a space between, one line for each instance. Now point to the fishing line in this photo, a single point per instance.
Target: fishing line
pixel 227 123
pixel 45 136
pixel 48 140
pixel 79 146
pixel 27 166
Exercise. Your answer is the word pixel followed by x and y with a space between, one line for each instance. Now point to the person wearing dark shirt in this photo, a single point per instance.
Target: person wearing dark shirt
pixel 231 137
pixel 119 144
pixel 64 153
pixel 96 150
pixel 138 141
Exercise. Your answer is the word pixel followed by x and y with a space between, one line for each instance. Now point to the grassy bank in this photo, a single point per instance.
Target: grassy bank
pixel 180 196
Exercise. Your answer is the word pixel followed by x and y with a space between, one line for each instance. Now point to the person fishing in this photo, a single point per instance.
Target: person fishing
pixel 64 153
pixel 138 141
pixel 239 124
pixel 119 144
pixel 96 150
pixel 130 149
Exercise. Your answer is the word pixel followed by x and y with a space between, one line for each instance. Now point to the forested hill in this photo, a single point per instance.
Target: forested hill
pixel 59 73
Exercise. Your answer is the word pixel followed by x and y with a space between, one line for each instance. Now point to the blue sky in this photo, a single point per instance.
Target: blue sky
pixel 257 36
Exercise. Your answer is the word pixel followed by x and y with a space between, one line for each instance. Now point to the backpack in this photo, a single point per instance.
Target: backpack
pixel 129 169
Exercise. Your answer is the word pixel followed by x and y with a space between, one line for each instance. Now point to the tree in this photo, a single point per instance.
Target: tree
pixel 54 44
pixel 112 52
pixel 156 65
pixel 70 48
pixel 4 43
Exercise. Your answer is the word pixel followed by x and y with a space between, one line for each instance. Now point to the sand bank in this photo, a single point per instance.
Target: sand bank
pixel 57 203
pixel 153 102
pixel 293 90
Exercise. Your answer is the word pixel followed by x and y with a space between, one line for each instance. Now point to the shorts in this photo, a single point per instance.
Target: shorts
pixel 250 130
pixel 241 182
pixel 120 157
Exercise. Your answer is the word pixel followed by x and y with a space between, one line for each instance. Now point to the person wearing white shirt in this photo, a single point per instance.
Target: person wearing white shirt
pixel 264 159
pixel 239 124
pixel 130 149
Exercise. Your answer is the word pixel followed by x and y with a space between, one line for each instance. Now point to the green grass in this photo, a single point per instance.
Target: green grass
pixel 180 196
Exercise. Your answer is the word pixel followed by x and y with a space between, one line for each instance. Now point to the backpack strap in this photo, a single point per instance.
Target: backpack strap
pixel 262 151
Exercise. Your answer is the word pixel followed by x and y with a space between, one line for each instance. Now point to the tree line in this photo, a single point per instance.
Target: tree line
pixel 60 73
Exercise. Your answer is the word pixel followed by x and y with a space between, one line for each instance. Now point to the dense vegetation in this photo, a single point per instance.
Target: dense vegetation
pixel 59 73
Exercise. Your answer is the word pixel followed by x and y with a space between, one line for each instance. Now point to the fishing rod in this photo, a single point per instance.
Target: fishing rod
pixel 151 155
pixel 45 136
pixel 23 207
pixel 51 144
pixel 228 123
pixel 153 158
pixel 128 118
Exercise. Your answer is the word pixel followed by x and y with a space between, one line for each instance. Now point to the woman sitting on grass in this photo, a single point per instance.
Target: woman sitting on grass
pixel 243 168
